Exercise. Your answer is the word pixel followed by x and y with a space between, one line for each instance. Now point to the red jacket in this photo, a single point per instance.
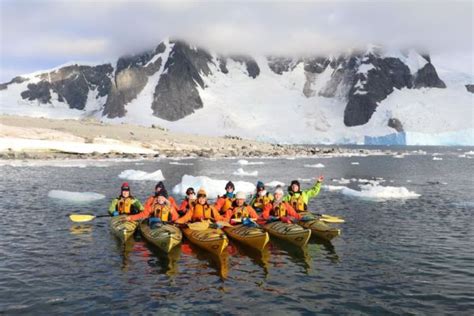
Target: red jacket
pixel 283 208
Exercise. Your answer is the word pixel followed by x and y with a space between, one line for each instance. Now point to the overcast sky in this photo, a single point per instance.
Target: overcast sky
pixel 39 35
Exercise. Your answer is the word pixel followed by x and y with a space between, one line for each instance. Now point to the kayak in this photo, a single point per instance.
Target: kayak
pixel 253 237
pixel 319 228
pixel 164 236
pixel 122 228
pixel 211 239
pixel 292 233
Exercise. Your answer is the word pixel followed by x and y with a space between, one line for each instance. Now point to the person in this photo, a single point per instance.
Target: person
pixel 299 199
pixel 188 201
pixel 161 186
pixel 125 203
pixel 200 210
pixel 260 198
pixel 278 208
pixel 157 207
pixel 239 209
pixel 224 202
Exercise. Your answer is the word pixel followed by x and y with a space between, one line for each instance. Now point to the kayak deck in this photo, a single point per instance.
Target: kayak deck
pixel 253 237
pixel 164 236
pixel 319 228
pixel 292 233
pixel 211 239
pixel 122 228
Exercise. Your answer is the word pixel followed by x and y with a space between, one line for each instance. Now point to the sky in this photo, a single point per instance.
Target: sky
pixel 42 34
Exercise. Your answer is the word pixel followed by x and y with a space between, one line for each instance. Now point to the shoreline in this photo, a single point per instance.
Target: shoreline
pixel 41 138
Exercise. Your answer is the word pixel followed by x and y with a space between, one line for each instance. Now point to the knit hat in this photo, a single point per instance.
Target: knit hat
pixel 160 185
pixel 278 190
pixel 189 191
pixel 125 187
pixel 260 185
pixel 240 195
pixel 230 185
pixel 202 192
pixel 163 193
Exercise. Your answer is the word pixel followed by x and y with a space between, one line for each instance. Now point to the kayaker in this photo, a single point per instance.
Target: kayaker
pixel 299 199
pixel 239 209
pixel 159 207
pixel 278 208
pixel 200 210
pixel 125 203
pixel 224 202
pixel 260 198
pixel 161 186
pixel 188 201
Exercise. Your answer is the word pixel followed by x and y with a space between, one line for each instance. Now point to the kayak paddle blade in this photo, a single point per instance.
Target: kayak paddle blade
pixel 80 218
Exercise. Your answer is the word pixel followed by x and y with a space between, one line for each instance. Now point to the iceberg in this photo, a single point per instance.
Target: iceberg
pixel 79 197
pixel 213 187
pixel 138 175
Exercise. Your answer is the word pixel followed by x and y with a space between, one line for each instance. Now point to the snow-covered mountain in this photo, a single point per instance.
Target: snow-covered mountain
pixel 356 97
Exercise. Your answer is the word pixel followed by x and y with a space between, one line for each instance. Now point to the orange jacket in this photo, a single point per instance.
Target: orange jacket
pixel 241 211
pixel 151 206
pixel 198 212
pixel 223 203
pixel 185 205
pixel 282 209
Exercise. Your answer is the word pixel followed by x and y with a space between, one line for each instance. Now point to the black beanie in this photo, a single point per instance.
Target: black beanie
pixel 160 185
pixel 230 184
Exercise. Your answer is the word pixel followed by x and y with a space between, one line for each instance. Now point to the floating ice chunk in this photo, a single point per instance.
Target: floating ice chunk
pixel 333 187
pixel 376 192
pixel 244 162
pixel 80 197
pixel 437 158
pixel 213 187
pixel 241 172
pixel 399 156
pixel 305 180
pixel 354 163
pixel 342 181
pixel 318 165
pixel 138 175
pixel 181 163
pixel 273 184
pixel 469 153
pixel 462 156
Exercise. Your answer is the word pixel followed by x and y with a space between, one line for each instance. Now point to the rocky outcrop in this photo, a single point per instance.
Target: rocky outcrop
pixel 18 79
pixel 427 77
pixel 470 88
pixel 395 124
pixel 176 94
pixel 279 65
pixel 252 67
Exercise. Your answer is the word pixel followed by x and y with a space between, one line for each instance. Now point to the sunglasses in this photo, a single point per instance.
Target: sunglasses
pixel 201 195
pixel 190 192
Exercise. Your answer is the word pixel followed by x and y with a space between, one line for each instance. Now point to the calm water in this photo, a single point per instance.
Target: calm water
pixel 394 257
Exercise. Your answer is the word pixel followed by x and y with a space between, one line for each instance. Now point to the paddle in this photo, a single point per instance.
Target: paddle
pixel 324 218
pixel 81 218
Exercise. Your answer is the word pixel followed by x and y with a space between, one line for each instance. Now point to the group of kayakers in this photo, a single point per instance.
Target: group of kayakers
pixel 229 207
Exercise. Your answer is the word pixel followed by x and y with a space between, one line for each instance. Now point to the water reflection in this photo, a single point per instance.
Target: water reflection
pixel 260 258
pixel 330 250
pixel 219 263
pixel 298 255
pixel 166 263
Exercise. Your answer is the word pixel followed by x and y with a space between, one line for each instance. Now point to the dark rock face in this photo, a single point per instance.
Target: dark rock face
pixel 470 88
pixel 18 79
pixel 71 83
pixel 396 124
pixel 176 94
pixel 427 77
pixel 252 67
pixel 279 65
pixel 316 65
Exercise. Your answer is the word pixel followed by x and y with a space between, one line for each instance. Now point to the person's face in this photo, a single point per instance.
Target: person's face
pixel 240 202
pixel 161 200
pixel 158 189
pixel 202 199
pixel 278 196
pixel 261 191
pixel 192 196
pixel 295 187
pixel 229 190
pixel 125 193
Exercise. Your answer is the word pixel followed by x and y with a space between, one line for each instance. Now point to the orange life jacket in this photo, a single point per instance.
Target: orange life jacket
pixel 227 204
pixel 240 211
pixel 161 211
pixel 124 205
pixel 298 203
pixel 261 201
pixel 279 210
pixel 202 211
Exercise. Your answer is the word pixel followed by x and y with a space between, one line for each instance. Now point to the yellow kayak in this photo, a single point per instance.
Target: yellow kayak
pixel 122 228
pixel 211 239
pixel 319 228
pixel 164 236
pixel 253 237
pixel 292 233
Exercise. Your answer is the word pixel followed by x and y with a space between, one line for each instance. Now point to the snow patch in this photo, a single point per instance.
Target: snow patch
pixel 79 197
pixel 138 175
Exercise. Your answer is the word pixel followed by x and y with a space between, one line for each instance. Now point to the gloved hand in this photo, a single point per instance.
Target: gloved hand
pixel 248 222
pixel 115 213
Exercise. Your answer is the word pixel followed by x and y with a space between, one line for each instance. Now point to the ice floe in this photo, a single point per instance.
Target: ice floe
pixel 273 184
pixel 241 172
pixel 354 163
pixel 213 187
pixel 138 175
pixel 244 162
pixel 181 163
pixel 437 158
pixel 318 165
pixel 375 192
pixel 80 197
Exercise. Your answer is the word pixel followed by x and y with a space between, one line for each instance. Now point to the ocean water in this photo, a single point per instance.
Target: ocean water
pixel 395 256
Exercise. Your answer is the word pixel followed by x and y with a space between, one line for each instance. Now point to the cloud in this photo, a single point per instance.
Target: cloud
pixel 99 30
